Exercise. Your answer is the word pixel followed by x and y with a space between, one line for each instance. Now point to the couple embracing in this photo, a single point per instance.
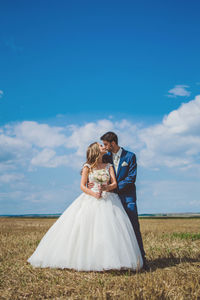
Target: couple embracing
pixel 100 229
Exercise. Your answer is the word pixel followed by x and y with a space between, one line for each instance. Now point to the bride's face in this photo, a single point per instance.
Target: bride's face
pixel 102 149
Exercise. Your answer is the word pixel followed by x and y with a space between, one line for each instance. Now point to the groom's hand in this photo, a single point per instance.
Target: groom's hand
pixel 104 187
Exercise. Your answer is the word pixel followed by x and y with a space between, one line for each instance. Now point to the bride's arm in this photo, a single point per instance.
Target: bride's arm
pixel 83 186
pixel 113 183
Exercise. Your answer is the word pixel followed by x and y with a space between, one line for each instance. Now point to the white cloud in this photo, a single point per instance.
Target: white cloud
pixel 82 136
pixel 11 177
pixel 47 158
pixel 186 119
pixel 179 90
pixel 173 143
pixel 1 93
pixel 176 141
pixel 41 135
pixel 13 152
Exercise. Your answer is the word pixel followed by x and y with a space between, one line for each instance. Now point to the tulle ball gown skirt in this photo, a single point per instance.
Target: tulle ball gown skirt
pixel 90 235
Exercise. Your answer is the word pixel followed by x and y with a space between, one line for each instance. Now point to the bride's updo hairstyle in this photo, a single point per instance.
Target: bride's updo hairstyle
pixel 92 155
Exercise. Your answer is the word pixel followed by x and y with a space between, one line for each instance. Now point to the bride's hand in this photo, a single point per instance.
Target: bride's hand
pixel 90 185
pixel 97 195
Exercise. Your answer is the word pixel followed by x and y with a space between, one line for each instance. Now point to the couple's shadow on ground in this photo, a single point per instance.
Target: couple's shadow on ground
pixel 159 263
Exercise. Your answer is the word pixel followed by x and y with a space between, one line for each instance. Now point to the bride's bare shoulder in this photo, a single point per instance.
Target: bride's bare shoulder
pixel 85 168
pixel 86 165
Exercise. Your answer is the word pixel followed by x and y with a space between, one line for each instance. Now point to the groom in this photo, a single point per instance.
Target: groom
pixel 125 167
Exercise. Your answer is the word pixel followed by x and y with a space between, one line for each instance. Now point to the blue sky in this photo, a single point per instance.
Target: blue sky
pixel 71 70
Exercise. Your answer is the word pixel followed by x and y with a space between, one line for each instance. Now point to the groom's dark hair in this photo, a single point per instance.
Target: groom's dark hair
pixel 109 137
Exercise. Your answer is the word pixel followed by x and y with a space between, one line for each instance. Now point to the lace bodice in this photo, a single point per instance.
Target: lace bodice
pixel 99 176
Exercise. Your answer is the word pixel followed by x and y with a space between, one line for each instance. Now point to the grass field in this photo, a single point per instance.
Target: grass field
pixel 173 252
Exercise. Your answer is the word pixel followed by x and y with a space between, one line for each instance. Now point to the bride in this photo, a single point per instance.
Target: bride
pixel 94 233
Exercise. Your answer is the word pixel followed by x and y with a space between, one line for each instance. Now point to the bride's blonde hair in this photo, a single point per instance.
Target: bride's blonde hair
pixel 92 155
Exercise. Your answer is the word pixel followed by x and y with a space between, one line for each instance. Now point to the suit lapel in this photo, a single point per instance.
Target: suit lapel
pixel 120 161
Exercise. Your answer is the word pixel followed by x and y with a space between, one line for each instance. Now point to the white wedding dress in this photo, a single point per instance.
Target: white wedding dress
pixel 90 235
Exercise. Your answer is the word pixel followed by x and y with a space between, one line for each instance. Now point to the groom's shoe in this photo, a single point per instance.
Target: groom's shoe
pixel 145 267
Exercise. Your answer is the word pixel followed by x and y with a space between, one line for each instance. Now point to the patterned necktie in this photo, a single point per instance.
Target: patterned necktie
pixel 115 161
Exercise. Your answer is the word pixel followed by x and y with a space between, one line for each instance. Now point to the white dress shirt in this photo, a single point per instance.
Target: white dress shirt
pixel 116 158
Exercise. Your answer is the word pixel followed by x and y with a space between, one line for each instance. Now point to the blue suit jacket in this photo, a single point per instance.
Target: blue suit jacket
pixel 126 177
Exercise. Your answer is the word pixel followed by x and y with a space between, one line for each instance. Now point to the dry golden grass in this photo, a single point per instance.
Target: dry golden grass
pixel 174 261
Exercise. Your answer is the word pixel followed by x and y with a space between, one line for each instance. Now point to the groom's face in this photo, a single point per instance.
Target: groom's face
pixel 108 146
